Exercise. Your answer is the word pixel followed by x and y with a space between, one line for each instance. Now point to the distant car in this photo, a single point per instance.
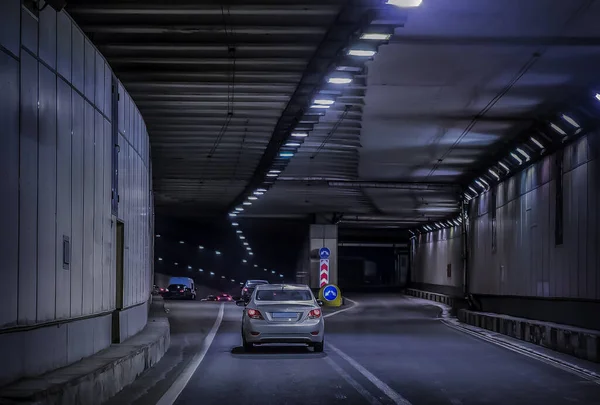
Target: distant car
pixel 179 291
pixel 209 298
pixel 282 313
pixel 224 297
pixel 249 287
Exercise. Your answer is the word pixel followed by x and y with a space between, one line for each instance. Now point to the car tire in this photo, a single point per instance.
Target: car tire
pixel 247 346
pixel 318 347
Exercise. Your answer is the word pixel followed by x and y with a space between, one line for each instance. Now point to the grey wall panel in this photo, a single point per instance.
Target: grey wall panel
pixel 107 235
pixel 592 241
pixel 88 211
pixel 29 31
pixel 98 208
pixel 45 349
pixel 107 107
pixel 121 109
pixel 10 25
pixel 89 76
pixel 63 45
pixel 28 171
pixel 77 210
pixel 9 184
pixel 80 335
pixel 102 332
pixel 46 253
pixel 47 39
pixel 99 82
pixel 63 197
pixel 78 59
pixel 11 353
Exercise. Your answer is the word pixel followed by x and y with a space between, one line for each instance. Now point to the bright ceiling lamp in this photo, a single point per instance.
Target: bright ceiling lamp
pixel 404 3
pixel 247 203
pixel 253 198
pixel 272 175
pixel 245 243
pixel 201 247
pixel 261 190
pixel 504 167
pixel 493 173
pixel 242 237
pixel 538 143
pixel 522 152
pixel 518 159
pixel 238 231
pixel 292 144
pixel 298 135
pixel 597 96
pixel 473 190
pixel 557 129
pixel 233 214
pixel 244 261
pixel 275 171
pixel 248 248
pixel 251 254
pixel 323 101
pixel 239 209
pixel 235 224
pixel 570 120
pixel 339 80
pixel 256 265
pixel 480 184
pixel 320 106
pixel 258 192
pixel 375 37
pixel 484 182
pixel 363 53
pixel 286 154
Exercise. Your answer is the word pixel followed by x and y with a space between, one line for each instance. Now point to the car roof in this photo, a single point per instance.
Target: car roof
pixel 257 281
pixel 283 286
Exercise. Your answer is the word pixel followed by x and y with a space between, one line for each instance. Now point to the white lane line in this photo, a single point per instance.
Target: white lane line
pixel 361 390
pixel 343 310
pixel 175 390
pixel 383 387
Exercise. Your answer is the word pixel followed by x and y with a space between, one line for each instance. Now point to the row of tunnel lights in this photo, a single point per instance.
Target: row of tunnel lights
pixel 218 253
pixel 324 100
pixel 516 158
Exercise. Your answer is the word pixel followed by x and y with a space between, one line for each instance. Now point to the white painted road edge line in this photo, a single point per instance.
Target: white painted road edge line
pixel 485 335
pixel 383 387
pixel 177 387
pixel 361 390
pixel 355 304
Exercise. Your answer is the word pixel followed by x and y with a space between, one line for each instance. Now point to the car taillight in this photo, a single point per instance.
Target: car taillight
pixel 180 290
pixel 245 289
pixel 314 313
pixel 255 314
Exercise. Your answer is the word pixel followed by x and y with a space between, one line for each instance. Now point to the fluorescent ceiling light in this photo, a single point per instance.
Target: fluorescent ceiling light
pixel 238 231
pixel 160 259
pixel 261 190
pixel 361 52
pixel 248 248
pixel 375 37
pixel 456 222
pixel 292 144
pixel 201 247
pixel 258 193
pixel 217 253
pixel 484 182
pixel 275 171
pixel 240 209
pixel 473 190
pixel 480 184
pixel 158 236
pixel 557 129
pixel 252 198
pixel 272 175
pixel 341 80
pixel 298 135
pixel 189 267
pixel 538 143
pixel 245 243
pixel 570 120
pixel 256 265
pixel 212 273
pixel 522 152
pixel 518 159
pixel 281 275
pixel 286 154
pixel 405 3
pixel 251 254
pixel 504 166
pixel 323 101
pixel 242 237
pixel 176 264
pixel 181 242
pixel 493 173
pixel 597 96
pixel 273 271
pixel 233 280
pixel 235 224
pixel 438 226
pixel 222 276
pixel 201 270
pixel 324 107
pixel 247 203
pixel 244 261
pixel 232 214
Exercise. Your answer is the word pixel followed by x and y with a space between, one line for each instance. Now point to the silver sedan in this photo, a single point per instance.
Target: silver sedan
pixel 282 313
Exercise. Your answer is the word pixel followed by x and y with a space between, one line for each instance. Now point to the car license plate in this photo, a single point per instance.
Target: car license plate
pixel 284 315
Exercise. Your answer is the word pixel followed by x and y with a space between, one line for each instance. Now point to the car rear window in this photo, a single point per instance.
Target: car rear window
pixel 253 284
pixel 174 287
pixel 284 295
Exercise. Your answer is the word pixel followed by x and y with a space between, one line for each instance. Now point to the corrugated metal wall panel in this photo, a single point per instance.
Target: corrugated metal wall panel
pixel 108 268
pixel 47 33
pixel 78 59
pixel 29 32
pixel 89 76
pixel 11 25
pixel 63 45
pixel 46 289
pixel 28 166
pixel 98 207
pixel 88 210
pixel 77 210
pixel 592 242
pixel 9 182
pixel 63 197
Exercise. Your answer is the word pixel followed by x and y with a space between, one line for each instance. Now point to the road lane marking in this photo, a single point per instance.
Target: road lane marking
pixel 361 390
pixel 343 310
pixel 178 386
pixel 383 387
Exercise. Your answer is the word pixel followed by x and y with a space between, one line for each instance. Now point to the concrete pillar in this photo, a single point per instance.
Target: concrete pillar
pixel 323 236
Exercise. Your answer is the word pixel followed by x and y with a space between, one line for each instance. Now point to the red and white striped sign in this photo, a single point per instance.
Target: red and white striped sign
pixel 324 273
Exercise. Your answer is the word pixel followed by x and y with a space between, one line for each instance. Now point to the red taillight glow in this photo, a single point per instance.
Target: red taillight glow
pixel 245 289
pixel 254 314
pixel 314 313
pixel 180 290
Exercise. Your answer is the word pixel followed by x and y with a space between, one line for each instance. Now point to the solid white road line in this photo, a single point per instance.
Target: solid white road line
pixel 175 390
pixel 355 304
pixel 383 387
pixel 361 390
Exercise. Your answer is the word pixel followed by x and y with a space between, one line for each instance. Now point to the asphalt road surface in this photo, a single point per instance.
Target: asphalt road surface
pixel 386 350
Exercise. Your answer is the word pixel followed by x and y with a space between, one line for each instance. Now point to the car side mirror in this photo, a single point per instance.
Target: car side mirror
pixel 241 303
pixel 321 303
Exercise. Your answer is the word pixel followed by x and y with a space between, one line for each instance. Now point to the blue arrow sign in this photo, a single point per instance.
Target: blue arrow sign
pixel 330 293
pixel 324 253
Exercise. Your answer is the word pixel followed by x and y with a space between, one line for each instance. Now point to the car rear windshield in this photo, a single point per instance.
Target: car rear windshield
pixel 252 284
pixel 174 287
pixel 284 295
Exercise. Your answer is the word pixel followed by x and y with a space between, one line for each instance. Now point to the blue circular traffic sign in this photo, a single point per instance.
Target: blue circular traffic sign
pixel 324 253
pixel 330 292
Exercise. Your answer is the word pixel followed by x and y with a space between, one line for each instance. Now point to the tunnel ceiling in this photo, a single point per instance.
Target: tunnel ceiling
pixel 221 85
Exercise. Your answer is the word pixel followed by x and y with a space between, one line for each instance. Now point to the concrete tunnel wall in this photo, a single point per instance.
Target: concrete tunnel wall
pixel 522 271
pixel 56 160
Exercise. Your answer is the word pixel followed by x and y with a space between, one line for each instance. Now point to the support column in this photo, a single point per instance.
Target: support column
pixel 323 236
